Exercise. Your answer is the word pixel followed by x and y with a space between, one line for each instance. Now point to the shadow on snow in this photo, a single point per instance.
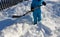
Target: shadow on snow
pixel 27 19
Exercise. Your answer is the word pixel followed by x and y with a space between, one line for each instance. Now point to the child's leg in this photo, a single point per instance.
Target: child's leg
pixel 35 17
pixel 39 15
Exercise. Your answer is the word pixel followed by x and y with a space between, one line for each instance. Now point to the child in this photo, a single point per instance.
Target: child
pixel 37 12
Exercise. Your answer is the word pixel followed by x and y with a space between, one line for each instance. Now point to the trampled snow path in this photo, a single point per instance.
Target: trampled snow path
pixel 48 27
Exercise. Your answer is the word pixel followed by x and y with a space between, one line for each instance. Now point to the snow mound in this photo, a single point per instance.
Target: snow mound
pixel 22 30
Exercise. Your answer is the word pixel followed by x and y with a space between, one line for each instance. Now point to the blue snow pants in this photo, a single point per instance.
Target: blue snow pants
pixel 36 12
pixel 37 15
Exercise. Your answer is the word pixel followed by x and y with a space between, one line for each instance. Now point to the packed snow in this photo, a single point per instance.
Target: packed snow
pixel 49 26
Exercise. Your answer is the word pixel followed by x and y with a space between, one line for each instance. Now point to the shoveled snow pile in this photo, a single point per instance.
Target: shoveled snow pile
pixel 22 30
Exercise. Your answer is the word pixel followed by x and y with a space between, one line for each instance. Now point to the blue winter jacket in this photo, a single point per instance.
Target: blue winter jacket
pixel 36 3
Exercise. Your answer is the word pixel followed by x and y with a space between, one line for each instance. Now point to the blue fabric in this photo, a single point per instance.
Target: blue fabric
pixel 36 12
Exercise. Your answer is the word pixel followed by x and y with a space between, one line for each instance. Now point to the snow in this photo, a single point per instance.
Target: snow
pixel 49 26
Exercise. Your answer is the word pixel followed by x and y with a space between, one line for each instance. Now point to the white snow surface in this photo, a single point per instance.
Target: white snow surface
pixel 49 26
